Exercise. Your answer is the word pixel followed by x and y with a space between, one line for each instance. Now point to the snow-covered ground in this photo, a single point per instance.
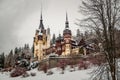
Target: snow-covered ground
pixel 40 75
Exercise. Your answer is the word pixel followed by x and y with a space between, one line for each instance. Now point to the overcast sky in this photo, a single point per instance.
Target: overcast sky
pixel 20 18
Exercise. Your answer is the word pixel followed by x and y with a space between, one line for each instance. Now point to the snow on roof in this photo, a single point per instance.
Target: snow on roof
pixel 40 33
pixel 52 54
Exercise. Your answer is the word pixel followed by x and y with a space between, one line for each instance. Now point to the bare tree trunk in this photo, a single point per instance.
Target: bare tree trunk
pixel 103 15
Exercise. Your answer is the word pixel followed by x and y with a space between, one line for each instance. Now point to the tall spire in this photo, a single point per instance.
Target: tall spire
pixel 41 16
pixel 41 26
pixel 66 16
pixel 41 10
pixel 66 23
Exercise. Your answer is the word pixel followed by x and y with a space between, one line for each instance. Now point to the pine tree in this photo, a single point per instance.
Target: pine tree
pixel 16 50
pixel 32 49
pixel 20 49
pixel 78 33
pixel 9 60
pixel 27 46
pixel 2 57
pixel 53 39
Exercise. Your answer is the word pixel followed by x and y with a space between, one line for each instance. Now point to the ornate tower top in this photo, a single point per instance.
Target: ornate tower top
pixel 66 31
pixel 41 26
pixel 66 23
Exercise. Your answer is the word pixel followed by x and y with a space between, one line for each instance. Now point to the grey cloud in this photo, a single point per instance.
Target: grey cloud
pixel 12 13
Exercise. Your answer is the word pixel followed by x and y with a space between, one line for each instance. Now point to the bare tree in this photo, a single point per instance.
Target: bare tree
pixel 103 17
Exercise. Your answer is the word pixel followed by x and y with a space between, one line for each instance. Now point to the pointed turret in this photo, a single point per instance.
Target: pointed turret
pixel 53 40
pixel 41 26
pixel 66 23
pixel 48 31
pixel 59 37
pixel 67 30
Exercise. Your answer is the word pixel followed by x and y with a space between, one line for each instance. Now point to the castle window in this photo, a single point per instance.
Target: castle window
pixel 36 43
pixel 43 42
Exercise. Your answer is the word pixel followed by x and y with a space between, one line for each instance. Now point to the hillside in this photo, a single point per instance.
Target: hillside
pixel 78 74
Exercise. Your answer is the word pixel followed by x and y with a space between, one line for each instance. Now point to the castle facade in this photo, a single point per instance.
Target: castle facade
pixel 63 45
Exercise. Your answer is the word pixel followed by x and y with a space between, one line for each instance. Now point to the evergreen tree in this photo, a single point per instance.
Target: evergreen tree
pixel 2 57
pixel 20 49
pixel 16 50
pixel 10 61
pixel 78 33
pixel 53 39
pixel 27 46
pixel 86 34
pixel 32 49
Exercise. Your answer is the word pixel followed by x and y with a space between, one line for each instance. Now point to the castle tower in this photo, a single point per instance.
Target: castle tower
pixel 48 38
pixel 67 38
pixel 40 41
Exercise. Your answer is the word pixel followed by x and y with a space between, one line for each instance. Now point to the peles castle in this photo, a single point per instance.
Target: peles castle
pixel 63 45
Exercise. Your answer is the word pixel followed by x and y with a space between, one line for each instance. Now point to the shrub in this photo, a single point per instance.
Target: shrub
pixel 33 74
pixel 25 75
pixel 95 61
pixel 82 64
pixel 18 72
pixel 49 73
pixel 44 68
pixel 62 64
